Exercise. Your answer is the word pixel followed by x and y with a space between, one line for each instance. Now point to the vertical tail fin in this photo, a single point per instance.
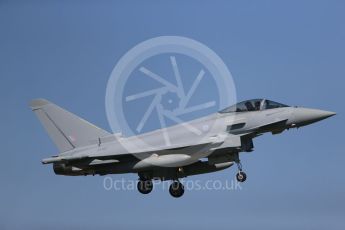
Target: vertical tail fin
pixel 66 130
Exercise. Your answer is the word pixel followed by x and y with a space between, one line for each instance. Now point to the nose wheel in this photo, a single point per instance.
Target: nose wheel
pixel 176 189
pixel 145 186
pixel 240 176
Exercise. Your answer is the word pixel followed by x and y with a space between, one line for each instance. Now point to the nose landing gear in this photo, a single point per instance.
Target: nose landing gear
pixel 240 176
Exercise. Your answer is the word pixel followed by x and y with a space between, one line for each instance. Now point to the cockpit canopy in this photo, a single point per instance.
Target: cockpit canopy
pixel 253 105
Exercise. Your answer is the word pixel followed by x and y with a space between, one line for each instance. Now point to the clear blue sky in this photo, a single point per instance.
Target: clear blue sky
pixel 288 51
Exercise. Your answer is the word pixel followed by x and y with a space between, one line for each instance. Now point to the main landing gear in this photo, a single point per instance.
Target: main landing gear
pixel 145 186
pixel 176 188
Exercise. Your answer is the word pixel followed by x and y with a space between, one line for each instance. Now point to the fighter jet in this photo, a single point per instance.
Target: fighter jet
pixel 86 149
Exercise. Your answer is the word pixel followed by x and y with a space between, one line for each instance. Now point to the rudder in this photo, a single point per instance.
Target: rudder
pixel 66 130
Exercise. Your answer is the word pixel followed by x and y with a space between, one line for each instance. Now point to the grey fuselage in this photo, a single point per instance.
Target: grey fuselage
pixel 222 137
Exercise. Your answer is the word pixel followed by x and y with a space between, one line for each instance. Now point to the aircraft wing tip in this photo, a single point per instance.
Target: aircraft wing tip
pixel 38 103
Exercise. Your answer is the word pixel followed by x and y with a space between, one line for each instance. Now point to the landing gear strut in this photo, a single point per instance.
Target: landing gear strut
pixel 145 186
pixel 176 189
pixel 240 176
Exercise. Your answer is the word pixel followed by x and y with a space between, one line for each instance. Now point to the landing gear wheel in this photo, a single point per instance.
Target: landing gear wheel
pixel 145 186
pixel 241 176
pixel 176 189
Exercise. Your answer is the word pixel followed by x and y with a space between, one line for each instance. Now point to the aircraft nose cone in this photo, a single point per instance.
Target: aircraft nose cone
pixel 304 116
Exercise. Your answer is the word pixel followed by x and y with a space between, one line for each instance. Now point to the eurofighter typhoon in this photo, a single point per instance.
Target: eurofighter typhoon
pixel 88 150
